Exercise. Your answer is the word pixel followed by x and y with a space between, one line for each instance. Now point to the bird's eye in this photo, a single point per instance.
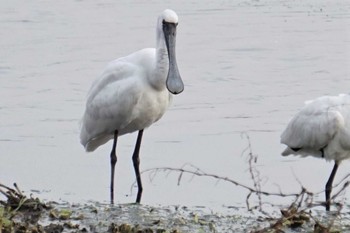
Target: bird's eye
pixel 165 25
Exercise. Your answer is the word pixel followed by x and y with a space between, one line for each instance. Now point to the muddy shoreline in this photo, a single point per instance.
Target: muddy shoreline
pixel 21 213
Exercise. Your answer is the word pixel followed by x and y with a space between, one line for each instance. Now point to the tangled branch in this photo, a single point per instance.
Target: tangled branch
pixel 198 172
pixel 295 215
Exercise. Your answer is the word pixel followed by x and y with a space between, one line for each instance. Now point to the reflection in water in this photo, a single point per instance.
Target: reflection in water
pixel 248 66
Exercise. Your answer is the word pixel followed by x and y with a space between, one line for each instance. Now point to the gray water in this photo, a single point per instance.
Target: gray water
pixel 248 67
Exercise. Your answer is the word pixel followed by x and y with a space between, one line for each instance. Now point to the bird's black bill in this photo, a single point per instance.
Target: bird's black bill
pixel 174 82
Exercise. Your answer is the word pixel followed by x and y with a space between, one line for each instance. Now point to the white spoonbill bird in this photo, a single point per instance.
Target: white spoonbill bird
pixel 321 129
pixel 131 94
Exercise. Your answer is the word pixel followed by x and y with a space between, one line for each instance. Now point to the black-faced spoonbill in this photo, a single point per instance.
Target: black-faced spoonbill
pixel 321 129
pixel 131 94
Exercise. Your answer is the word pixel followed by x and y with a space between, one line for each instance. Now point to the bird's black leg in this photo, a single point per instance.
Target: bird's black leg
pixel 329 186
pixel 113 162
pixel 136 161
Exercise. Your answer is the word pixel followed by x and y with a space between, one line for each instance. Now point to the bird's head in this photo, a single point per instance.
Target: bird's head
pixel 169 21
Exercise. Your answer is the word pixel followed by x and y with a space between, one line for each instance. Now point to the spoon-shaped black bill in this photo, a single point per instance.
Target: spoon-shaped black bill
pixel 174 82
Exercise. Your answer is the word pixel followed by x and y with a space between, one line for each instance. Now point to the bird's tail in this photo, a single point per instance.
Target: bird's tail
pixel 94 143
pixel 288 151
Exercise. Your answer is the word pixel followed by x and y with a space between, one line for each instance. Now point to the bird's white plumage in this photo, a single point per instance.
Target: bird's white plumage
pixel 322 125
pixel 169 16
pixel 130 94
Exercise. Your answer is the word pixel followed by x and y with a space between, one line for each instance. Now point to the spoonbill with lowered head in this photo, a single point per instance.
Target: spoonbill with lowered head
pixel 321 129
pixel 131 94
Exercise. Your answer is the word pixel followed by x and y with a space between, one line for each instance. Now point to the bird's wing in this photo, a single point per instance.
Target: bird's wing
pixel 314 126
pixel 115 71
pixel 110 102
pixel 120 69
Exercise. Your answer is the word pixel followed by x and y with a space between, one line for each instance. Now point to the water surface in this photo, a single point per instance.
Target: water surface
pixel 248 66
